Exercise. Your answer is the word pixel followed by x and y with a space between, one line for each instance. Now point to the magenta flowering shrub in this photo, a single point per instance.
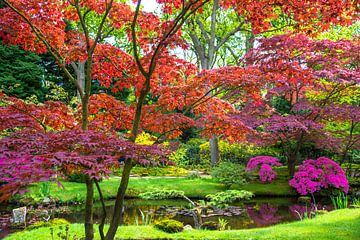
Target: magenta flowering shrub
pixel 314 175
pixel 265 163
pixel 266 173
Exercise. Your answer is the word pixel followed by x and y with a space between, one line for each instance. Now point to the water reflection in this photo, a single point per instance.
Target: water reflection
pixel 265 215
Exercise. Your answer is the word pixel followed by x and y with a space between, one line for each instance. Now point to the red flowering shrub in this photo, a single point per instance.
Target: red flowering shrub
pixel 314 175
pixel 266 173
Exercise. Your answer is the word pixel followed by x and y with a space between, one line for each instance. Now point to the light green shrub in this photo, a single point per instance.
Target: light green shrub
pixel 162 194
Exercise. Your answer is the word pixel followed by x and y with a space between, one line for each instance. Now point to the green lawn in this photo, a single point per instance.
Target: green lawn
pixel 194 188
pixel 341 224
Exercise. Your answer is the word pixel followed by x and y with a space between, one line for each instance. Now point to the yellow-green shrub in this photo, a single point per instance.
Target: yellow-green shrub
pixel 235 153
pixel 52 222
pixel 144 139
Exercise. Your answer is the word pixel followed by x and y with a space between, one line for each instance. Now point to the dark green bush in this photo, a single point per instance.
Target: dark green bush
pixel 170 226
pixel 188 154
pixel 77 177
pixel 230 173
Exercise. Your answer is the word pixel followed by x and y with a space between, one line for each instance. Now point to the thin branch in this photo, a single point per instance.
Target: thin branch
pixel 227 36
pixel 134 41
pixel 101 26
pixel 178 22
pixel 204 33
pixel 82 23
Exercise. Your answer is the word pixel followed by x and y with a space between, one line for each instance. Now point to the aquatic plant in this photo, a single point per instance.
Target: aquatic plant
pixel 340 201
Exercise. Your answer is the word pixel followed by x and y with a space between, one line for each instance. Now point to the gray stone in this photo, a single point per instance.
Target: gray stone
pixel 19 215
pixel 46 200
pixel 187 228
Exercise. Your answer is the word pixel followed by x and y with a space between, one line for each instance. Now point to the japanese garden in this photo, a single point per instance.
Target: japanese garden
pixel 179 119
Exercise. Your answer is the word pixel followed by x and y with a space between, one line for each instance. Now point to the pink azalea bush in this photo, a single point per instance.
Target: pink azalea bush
pixel 314 175
pixel 266 173
pixel 265 163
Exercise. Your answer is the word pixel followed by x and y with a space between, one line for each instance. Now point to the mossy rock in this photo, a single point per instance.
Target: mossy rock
pixel 170 226
pixel 210 225
pixel 51 223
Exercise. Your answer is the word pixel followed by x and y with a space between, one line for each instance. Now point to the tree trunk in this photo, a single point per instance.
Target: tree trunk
pixel 89 222
pixel 80 75
pixel 89 230
pixel 214 150
pixel 291 164
pixel 117 217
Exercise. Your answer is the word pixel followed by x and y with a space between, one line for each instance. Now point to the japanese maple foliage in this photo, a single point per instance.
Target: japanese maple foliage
pixel 20 170
pixel 15 113
pixel 26 159
pixel 307 15
pixel 46 141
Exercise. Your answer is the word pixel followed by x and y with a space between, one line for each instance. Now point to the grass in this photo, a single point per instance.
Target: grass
pixel 193 188
pixel 339 224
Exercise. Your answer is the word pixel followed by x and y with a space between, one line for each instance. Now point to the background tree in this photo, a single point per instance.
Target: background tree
pixel 22 75
pixel 226 30
pixel 309 76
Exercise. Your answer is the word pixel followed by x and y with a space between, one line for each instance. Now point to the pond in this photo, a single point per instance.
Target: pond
pixel 259 212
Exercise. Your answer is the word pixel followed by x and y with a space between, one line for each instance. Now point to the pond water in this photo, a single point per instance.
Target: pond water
pixel 259 212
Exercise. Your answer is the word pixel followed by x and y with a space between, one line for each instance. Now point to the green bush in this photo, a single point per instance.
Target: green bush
pixel 170 226
pixel 222 199
pixel 171 171
pixel 188 154
pixel 230 173
pixel 51 223
pixel 77 177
